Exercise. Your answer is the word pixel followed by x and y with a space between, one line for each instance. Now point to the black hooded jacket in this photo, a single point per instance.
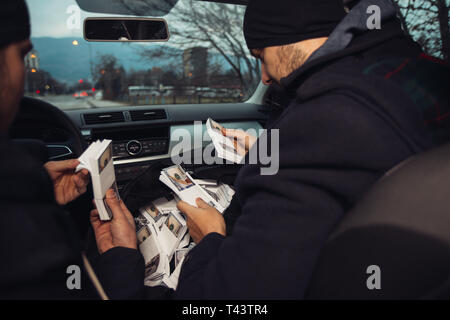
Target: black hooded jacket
pixel 39 247
pixel 355 113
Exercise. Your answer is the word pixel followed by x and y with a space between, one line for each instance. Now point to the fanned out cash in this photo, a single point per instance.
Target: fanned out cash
pixel 220 192
pixel 162 232
pixel 225 146
pixel 97 159
pixel 184 186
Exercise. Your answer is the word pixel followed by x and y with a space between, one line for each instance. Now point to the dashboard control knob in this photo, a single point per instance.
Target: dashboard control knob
pixel 134 147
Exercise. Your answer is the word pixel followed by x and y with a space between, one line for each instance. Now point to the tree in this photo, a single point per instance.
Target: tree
pixel 428 23
pixel 110 76
pixel 216 26
pixel 139 78
pixel 170 78
pixel 41 81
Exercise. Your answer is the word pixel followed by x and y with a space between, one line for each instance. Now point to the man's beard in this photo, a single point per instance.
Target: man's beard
pixel 290 59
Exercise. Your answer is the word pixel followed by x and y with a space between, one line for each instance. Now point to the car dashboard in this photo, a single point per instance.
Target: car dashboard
pixel 144 134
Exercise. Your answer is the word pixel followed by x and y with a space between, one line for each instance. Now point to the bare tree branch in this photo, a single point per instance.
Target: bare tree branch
pixel 427 22
pixel 217 27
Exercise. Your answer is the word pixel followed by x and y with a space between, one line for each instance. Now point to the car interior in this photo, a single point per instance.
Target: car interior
pixel 402 224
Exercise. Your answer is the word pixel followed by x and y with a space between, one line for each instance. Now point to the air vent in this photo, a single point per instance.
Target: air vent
pixel 145 115
pixel 101 118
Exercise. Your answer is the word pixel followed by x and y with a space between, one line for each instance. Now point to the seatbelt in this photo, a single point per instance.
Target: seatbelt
pixel 91 273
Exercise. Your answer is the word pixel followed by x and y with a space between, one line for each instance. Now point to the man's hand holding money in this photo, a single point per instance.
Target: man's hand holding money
pixel 243 141
pixel 202 220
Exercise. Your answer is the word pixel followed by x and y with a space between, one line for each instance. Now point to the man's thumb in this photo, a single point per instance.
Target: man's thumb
pixel 202 203
pixel 182 206
pixel 186 208
pixel 112 201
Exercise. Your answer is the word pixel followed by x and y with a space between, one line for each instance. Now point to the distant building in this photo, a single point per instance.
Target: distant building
pixel 32 84
pixel 32 61
pixel 195 64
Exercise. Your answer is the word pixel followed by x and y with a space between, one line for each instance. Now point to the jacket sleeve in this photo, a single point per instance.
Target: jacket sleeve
pixel 37 251
pixel 39 246
pixel 121 273
pixel 331 151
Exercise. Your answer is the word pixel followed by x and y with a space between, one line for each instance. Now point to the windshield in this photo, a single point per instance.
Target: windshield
pixel 204 61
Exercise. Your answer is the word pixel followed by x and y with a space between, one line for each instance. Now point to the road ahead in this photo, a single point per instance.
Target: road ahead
pixel 68 102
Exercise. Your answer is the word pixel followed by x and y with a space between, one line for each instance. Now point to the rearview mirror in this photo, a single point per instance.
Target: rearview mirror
pixel 126 29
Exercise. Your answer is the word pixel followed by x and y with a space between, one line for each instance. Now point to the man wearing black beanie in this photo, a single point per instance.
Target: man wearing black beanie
pixel 360 94
pixel 14 45
pixel 288 33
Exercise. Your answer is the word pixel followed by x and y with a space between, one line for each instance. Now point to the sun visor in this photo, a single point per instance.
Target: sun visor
pixel 154 8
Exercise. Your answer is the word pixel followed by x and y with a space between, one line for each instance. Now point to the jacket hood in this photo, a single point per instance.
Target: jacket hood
pixel 349 37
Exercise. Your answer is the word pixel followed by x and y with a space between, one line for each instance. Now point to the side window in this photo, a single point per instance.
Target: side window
pixel 428 23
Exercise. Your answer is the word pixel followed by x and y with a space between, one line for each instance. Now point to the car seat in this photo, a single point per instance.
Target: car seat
pixel 395 243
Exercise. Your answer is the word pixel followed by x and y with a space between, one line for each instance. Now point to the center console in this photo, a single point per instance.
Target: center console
pixel 131 146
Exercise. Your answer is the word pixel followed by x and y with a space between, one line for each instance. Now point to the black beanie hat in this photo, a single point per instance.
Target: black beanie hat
pixel 14 22
pixel 270 23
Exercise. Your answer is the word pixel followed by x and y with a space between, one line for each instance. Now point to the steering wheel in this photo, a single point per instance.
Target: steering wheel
pixel 39 120
pixel 44 126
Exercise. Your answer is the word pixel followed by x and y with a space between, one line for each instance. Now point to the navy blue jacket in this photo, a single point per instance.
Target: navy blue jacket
pixel 355 113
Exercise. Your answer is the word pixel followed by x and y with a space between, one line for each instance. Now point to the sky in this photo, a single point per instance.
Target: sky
pixel 55 22
pixel 49 18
